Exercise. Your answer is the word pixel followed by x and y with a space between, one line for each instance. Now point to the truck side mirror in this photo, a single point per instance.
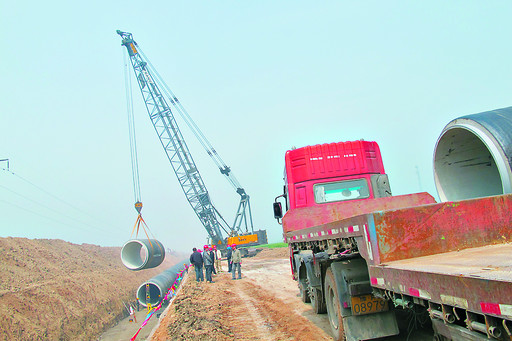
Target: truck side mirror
pixel 278 210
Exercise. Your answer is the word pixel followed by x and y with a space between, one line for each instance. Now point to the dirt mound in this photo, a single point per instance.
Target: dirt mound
pixel 55 290
pixel 263 305
pixel 275 253
pixel 193 321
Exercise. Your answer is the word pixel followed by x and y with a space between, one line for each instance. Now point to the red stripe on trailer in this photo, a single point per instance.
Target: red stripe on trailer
pixel 329 232
pixel 351 229
pixel 373 280
pixel 490 308
pixel 414 292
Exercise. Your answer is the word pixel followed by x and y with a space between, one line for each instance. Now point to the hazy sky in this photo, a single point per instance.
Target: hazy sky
pixel 258 77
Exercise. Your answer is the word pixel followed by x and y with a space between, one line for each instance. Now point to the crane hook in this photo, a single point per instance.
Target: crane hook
pixel 138 206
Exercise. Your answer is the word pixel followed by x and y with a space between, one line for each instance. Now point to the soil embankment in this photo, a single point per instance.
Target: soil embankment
pixel 55 290
pixel 263 305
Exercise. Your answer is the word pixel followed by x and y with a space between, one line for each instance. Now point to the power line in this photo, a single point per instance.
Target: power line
pixel 41 215
pixel 53 210
pixel 51 195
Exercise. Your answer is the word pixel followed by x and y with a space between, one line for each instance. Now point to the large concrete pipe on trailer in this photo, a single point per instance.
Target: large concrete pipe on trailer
pixel 473 156
pixel 153 291
pixel 139 254
pixel 364 255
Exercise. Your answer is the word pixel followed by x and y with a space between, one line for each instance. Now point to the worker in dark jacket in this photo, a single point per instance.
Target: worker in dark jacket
pixel 228 256
pixel 196 260
pixel 214 258
pixel 208 263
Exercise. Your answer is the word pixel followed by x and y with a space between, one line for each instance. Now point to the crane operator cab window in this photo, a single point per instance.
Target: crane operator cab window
pixel 341 191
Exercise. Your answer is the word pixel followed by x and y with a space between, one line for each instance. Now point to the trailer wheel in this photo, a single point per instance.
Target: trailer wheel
pixel 304 295
pixel 317 301
pixel 332 302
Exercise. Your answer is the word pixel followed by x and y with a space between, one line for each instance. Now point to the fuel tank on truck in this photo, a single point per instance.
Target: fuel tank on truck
pixel 473 155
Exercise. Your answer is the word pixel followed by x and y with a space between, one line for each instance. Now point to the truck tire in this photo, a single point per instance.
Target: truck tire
pixel 317 301
pixel 304 294
pixel 332 302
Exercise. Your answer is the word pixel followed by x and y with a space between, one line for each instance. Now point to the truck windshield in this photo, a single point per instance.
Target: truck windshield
pixel 340 191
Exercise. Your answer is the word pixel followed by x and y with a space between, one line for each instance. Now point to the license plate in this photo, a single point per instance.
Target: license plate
pixel 368 304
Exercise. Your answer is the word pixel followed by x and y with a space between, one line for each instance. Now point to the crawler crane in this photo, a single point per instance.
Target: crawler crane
pixel 157 97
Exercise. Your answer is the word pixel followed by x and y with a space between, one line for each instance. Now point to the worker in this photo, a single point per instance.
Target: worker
pixel 218 258
pixel 228 256
pixel 213 255
pixel 237 262
pixel 197 261
pixel 208 264
pixel 132 313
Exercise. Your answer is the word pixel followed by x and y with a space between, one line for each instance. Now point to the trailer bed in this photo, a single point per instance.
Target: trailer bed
pixel 492 262
pixel 457 254
pixel 477 279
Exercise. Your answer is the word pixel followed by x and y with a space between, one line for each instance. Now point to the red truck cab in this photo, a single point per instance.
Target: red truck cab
pixel 315 175
pixel 333 173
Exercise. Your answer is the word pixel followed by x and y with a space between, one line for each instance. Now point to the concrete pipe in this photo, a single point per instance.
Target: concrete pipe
pixel 158 285
pixel 473 155
pixel 139 254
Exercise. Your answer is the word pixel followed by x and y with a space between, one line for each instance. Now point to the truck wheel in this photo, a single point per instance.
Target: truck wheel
pixel 304 295
pixel 317 301
pixel 332 302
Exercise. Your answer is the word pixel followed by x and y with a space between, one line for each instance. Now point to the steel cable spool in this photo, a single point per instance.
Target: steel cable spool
pixel 473 156
pixel 139 254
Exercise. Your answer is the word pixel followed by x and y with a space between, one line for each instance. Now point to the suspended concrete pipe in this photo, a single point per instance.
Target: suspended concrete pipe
pixel 154 290
pixel 139 254
pixel 473 155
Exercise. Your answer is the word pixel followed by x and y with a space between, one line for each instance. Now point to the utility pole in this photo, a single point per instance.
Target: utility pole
pixel 5 160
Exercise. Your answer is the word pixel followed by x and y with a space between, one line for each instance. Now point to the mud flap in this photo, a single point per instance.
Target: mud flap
pixel 351 274
pixel 372 326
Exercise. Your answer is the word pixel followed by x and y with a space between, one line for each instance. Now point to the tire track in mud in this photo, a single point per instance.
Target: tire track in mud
pixel 253 311
pixel 277 317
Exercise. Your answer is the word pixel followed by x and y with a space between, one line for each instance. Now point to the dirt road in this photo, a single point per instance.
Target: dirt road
pixel 263 305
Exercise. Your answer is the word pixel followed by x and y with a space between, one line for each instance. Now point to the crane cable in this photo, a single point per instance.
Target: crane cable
pixel 131 131
pixel 133 155
pixel 224 169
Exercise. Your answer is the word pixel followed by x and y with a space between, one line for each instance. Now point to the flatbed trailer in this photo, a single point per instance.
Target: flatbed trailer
pixel 363 255
pixel 454 259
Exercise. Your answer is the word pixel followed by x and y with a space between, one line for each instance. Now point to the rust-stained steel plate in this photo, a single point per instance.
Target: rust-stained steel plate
pixel 305 217
pixel 438 228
